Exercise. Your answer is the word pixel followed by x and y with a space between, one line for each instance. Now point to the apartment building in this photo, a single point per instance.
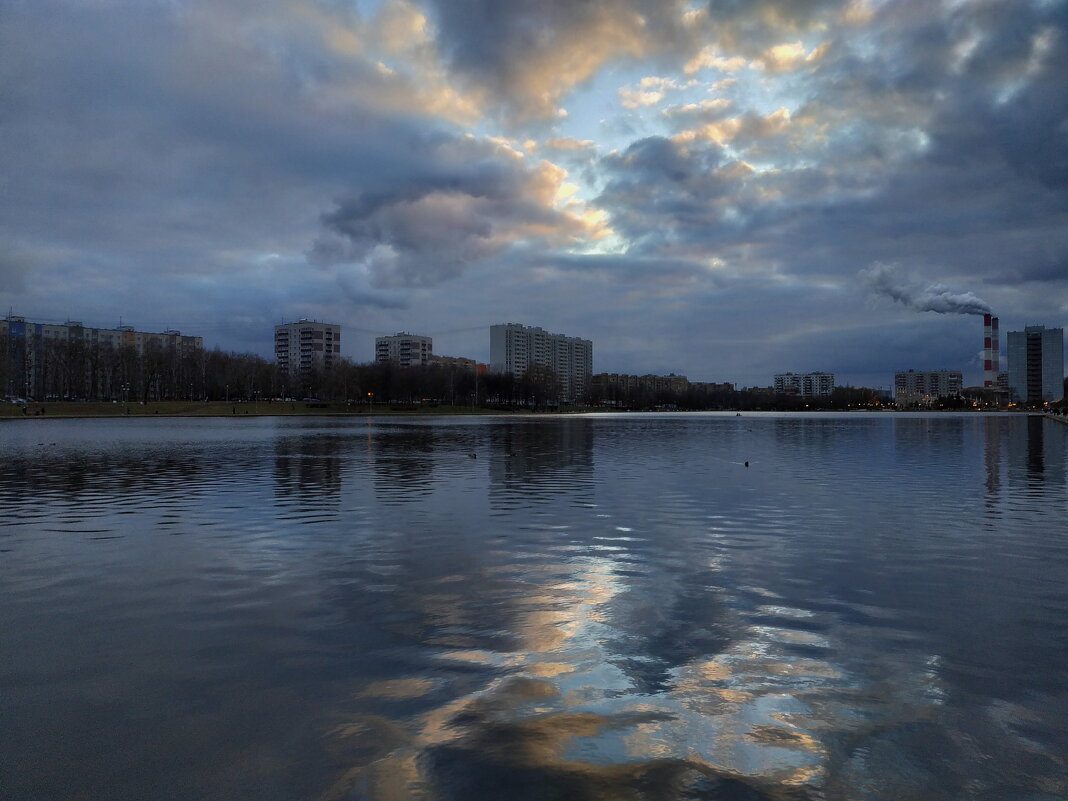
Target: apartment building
pixel 404 350
pixel 306 346
pixel 1036 364
pixel 47 359
pixel 514 348
pixel 807 385
pixel 619 383
pixel 457 362
pixel 924 387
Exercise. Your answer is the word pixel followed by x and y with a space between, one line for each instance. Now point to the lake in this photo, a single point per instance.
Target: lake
pixel 580 607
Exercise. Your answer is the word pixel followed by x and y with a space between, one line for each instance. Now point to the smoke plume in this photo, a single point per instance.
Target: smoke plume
pixel 886 279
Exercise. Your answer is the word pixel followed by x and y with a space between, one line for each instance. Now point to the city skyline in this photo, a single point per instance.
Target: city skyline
pixel 726 191
pixel 406 336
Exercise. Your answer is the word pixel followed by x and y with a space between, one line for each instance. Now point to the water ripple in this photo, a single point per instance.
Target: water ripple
pixel 599 607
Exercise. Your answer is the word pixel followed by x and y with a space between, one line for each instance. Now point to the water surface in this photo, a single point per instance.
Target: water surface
pixel 596 607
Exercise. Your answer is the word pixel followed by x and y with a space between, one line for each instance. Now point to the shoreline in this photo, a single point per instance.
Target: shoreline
pixel 220 409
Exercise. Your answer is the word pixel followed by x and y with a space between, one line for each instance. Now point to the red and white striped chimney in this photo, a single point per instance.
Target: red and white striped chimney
pixel 991 351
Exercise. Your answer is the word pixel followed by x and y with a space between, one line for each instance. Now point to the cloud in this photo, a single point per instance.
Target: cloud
pixel 887 152
pixel 570 144
pixel 710 57
pixel 354 285
pixel 750 27
pixel 525 57
pixel 473 206
pixel 391 161
pixel 16 264
pixel 702 111
pixel 788 57
pixel 649 91
pixel 741 132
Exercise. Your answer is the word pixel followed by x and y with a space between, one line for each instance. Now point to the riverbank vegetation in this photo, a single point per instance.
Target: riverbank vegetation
pixel 86 379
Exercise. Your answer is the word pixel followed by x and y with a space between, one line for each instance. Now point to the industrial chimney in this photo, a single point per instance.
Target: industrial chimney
pixel 991 351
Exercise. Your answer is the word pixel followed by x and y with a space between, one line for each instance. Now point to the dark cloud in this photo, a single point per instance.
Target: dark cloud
pixel 147 127
pixel 474 204
pixel 657 179
pixel 749 27
pixel 147 144
pixel 527 56
pixel 896 153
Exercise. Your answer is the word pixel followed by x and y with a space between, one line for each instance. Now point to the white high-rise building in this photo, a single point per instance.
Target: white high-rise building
pixel 305 345
pixel 514 348
pixel 405 350
pixel 807 385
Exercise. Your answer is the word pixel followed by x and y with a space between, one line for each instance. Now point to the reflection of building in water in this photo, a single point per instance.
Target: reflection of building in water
pixel 993 431
pixel 930 439
pixel 308 468
pixel 541 461
pixel 805 429
pixel 814 436
pixel 1031 461
pixel 1035 445
pixel 126 471
pixel 403 463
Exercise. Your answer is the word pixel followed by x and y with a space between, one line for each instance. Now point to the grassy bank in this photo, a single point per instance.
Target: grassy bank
pixel 220 409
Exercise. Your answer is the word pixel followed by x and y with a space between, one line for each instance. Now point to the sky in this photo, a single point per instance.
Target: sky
pixel 724 189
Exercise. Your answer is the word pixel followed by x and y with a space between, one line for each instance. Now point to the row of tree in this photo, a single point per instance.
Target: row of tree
pixel 78 370
pixel 723 396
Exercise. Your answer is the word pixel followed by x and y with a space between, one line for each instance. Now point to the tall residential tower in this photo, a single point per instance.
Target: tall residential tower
pixel 991 351
pixel 514 348
pixel 306 346
pixel 1036 364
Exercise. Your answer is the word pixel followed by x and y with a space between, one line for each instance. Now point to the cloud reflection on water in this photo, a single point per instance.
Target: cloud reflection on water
pixel 587 608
